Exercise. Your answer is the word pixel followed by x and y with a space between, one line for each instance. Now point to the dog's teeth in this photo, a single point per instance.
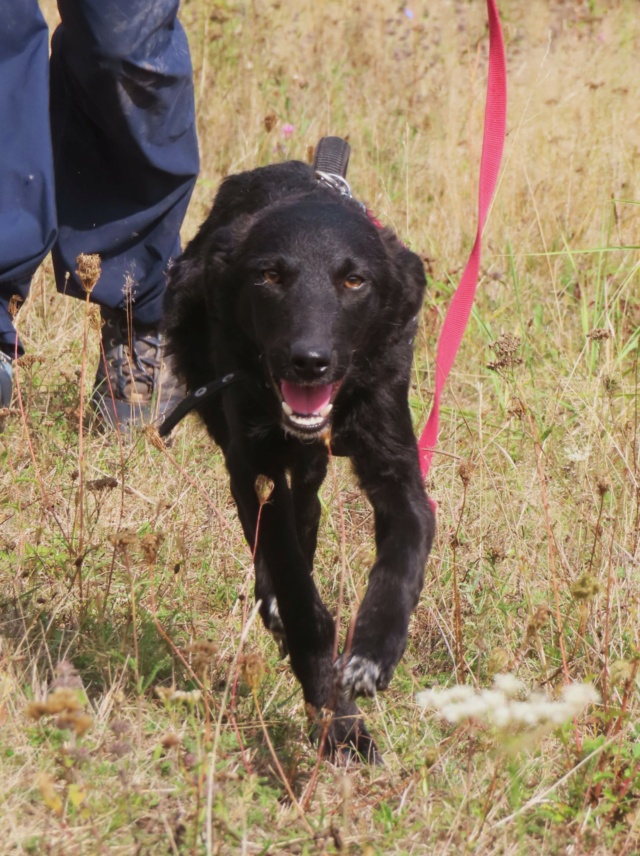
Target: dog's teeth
pixel 288 410
pixel 306 421
pixel 326 410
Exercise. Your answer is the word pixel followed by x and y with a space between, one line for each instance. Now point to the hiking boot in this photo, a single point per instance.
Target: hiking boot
pixel 134 384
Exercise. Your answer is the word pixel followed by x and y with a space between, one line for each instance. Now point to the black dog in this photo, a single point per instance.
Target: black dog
pixel 292 286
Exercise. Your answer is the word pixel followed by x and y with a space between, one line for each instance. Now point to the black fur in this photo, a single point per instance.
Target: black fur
pixel 293 284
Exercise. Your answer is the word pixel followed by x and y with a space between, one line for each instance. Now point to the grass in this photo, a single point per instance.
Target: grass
pixel 126 564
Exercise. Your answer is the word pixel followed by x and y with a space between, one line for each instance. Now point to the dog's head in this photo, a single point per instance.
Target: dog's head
pixel 312 277
pixel 319 290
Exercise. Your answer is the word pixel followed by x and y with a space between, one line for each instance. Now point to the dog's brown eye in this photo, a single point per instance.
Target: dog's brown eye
pixel 271 276
pixel 353 281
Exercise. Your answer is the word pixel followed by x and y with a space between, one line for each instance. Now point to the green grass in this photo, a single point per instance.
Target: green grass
pixel 549 503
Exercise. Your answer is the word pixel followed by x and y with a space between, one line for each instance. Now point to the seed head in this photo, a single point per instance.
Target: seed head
pixel 76 720
pixel 124 538
pixel 15 302
pixel 585 588
pixel 89 269
pixel 536 622
pixel 66 677
pixel 203 654
pixel 264 488
pixel 170 740
pixel 498 661
pixel 153 437
pixel 598 334
pixel 252 669
pixel 505 348
pixel 620 672
pixel 465 471
pixel 516 408
pixel 150 544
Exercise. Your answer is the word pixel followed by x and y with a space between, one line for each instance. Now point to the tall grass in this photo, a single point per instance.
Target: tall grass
pixel 125 583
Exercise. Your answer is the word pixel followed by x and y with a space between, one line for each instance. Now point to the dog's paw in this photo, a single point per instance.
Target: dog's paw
pixel 344 736
pixel 276 628
pixel 360 676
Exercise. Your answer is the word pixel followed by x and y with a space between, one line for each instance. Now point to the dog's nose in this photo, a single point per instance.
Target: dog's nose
pixel 310 361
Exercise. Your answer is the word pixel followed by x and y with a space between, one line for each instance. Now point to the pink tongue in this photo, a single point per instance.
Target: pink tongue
pixel 306 400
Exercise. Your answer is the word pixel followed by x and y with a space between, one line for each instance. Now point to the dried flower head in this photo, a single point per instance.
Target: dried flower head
pixel 264 488
pixel 61 700
pixel 104 483
pixel 120 727
pixel 620 672
pixel 75 720
pixel 89 269
pixel 169 740
pixel 124 539
pixel 120 748
pixel 203 654
pixel 153 437
pixel 603 485
pixel 15 302
pixel 252 669
pixel 28 360
pixel 66 676
pixel 270 121
pixel 150 544
pixel 498 661
pixel 516 408
pixel 536 622
pixel 505 348
pixel 465 471
pixel 585 588
pixel 598 334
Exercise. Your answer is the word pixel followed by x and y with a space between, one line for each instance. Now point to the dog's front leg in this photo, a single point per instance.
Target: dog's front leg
pixel 308 626
pixel 308 471
pixel 404 528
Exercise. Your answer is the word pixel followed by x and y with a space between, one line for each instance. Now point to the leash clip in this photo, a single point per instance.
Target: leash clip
pixel 334 181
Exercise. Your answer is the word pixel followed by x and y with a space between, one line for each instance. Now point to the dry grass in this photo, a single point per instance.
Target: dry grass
pixel 538 531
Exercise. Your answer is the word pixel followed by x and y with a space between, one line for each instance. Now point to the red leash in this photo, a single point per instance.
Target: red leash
pixel 457 316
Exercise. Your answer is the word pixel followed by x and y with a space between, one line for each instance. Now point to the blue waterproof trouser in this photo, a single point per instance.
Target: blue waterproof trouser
pixel 111 115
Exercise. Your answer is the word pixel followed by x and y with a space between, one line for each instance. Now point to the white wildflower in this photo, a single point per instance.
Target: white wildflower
pixel 580 695
pixel 508 684
pixel 500 709
pixel 577 455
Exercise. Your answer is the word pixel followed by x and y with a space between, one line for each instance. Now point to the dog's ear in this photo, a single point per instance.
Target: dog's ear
pixel 189 301
pixel 408 280
pixel 185 320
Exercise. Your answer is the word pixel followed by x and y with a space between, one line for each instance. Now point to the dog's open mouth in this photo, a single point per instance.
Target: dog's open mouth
pixel 306 408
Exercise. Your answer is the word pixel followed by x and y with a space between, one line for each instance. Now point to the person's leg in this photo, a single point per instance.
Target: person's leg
pixel 27 205
pixel 124 144
pixel 126 161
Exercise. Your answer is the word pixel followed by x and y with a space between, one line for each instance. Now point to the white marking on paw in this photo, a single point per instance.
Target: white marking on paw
pixel 276 628
pixel 275 622
pixel 359 677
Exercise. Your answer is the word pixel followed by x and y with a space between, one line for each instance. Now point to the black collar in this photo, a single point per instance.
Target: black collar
pixel 167 423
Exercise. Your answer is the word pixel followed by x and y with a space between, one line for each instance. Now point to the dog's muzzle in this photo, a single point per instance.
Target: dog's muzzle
pixel 306 408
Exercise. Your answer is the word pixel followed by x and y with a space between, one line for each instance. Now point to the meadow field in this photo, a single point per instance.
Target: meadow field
pixel 143 708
